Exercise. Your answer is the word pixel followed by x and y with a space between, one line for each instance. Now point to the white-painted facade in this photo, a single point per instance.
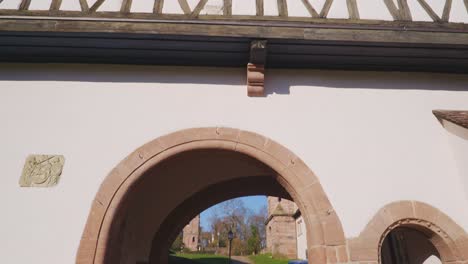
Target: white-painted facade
pixel 370 137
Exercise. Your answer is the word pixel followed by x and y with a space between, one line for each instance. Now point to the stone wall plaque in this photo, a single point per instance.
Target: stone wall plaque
pixel 42 170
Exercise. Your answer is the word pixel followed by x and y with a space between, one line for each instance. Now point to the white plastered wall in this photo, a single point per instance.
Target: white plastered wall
pixel 458 141
pixel 370 137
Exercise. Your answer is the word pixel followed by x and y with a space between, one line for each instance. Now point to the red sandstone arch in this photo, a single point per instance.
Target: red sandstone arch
pixel 450 240
pixel 325 239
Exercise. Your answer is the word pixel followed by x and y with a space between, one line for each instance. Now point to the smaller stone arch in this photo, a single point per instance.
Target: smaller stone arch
pixel 450 240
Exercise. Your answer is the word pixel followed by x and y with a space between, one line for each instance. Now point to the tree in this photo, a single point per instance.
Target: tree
pixel 254 241
pixel 247 226
pixel 258 220
pixel 178 244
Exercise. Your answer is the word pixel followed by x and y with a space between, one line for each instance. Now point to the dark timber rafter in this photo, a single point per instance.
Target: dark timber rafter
pixel 402 12
pixel 227 8
pixel 311 9
pixel 429 10
pixel 84 6
pixel 283 8
pixel 326 8
pixel 185 6
pixel 158 6
pixel 447 9
pixel 96 5
pixel 353 9
pixel 199 7
pixel 260 9
pixel 25 4
pixel 55 5
pixel 126 6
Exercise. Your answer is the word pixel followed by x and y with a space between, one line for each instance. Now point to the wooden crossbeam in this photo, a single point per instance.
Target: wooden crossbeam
pixel 393 9
pixel 353 9
pixel 429 10
pixel 196 11
pixel 84 6
pixel 326 8
pixel 55 5
pixel 447 10
pixel 405 12
pixel 227 8
pixel 310 9
pixel 126 6
pixel 96 5
pixel 260 10
pixel 282 8
pixel 158 6
pixel 25 4
pixel 185 7
pixel 401 12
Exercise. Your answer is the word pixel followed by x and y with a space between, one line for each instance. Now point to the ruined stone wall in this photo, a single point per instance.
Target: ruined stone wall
pixel 191 234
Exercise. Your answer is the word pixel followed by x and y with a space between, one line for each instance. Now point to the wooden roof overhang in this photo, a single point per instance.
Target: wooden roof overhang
pixel 191 39
pixel 457 117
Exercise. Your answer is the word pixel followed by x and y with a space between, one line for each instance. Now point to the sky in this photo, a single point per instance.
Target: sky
pixel 254 203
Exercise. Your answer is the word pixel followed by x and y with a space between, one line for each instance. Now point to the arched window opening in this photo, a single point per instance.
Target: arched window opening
pixel 405 245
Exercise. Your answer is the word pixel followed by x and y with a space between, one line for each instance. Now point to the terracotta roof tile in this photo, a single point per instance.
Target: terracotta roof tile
pixel 457 117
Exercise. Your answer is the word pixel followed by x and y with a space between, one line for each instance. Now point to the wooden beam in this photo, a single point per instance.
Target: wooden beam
pixel 185 7
pixel 326 8
pixel 353 9
pixel 429 10
pixel 84 6
pixel 55 5
pixel 310 8
pixel 392 8
pixel 405 12
pixel 282 8
pixel 196 11
pixel 126 6
pixel 260 7
pixel 96 5
pixel 158 6
pixel 25 4
pixel 227 8
pixel 447 10
pixel 385 32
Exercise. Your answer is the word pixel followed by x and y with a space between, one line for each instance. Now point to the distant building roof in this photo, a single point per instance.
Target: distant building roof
pixel 457 117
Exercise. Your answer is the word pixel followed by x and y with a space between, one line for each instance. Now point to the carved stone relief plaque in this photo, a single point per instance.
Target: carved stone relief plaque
pixel 42 170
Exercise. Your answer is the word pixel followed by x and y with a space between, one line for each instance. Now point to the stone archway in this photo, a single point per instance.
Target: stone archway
pixel 325 239
pixel 449 239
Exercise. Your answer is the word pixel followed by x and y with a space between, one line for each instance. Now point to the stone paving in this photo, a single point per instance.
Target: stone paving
pixel 241 260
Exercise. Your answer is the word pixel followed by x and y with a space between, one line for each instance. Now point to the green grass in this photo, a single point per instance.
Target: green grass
pixel 184 258
pixel 267 259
